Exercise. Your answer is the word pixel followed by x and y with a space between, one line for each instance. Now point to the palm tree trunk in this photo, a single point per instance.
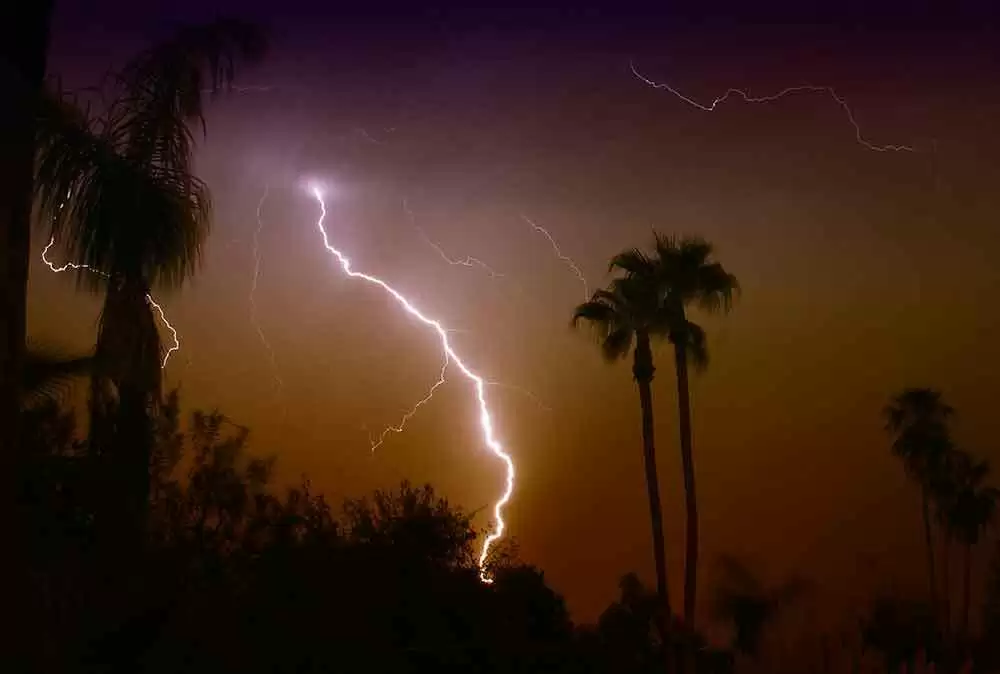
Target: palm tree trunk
pixel 966 592
pixel 929 540
pixel 690 497
pixel 128 354
pixel 946 595
pixel 643 371
pixel 24 36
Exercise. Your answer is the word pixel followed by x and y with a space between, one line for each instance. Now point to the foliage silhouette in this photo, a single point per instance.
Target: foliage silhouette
pixel 48 374
pixel 239 577
pixel 968 506
pixel 917 419
pixel 743 602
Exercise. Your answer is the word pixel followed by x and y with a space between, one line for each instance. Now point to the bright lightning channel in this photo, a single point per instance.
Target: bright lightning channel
pixel 468 261
pixel 565 258
pixel 798 89
pixel 149 298
pixel 278 383
pixel 480 384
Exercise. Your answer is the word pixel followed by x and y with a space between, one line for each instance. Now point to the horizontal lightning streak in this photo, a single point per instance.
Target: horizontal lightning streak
pixel 565 258
pixel 485 419
pixel 802 88
pixel 149 298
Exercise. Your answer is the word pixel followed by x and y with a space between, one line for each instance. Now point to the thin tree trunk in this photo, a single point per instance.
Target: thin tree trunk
pixel 690 495
pixel 24 32
pixel 643 371
pixel 929 540
pixel 966 592
pixel 946 595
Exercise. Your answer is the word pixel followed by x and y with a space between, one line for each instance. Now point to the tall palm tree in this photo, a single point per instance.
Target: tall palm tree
pixel 627 313
pixel 685 275
pixel 917 419
pixel 120 193
pixel 968 508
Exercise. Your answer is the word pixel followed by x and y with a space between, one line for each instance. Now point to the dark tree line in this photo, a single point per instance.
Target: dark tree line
pixel 236 574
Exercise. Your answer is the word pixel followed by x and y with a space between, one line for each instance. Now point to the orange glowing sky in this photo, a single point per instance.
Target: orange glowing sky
pixel 862 272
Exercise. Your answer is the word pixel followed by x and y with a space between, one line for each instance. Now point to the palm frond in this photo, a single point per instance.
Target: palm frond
pixel 697 345
pixel 119 190
pixel 617 343
pixel 687 274
pixel 597 311
pixel 94 198
pixel 48 374
pixel 717 287
pixel 164 87
pixel 632 261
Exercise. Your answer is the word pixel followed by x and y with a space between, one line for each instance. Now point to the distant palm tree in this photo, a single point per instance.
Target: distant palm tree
pixel 628 312
pixel 917 419
pixel 120 193
pixel 748 606
pixel 685 275
pixel 969 507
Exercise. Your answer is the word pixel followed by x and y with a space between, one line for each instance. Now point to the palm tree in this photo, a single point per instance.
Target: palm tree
pixel 968 509
pixel 748 606
pixel 685 275
pixel 628 312
pixel 917 419
pixel 120 194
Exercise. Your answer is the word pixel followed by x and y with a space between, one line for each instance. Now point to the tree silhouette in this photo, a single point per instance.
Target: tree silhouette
pixel 968 508
pixel 917 419
pixel 900 630
pixel 629 311
pixel 743 602
pixel 120 194
pixel 684 274
pixel 627 640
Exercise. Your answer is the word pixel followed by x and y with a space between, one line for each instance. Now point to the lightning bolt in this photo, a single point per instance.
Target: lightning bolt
pixel 401 426
pixel 798 89
pixel 279 384
pixel 450 356
pixel 565 258
pixel 149 298
pixel 468 261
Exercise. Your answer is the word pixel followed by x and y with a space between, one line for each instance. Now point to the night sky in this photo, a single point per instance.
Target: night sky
pixel 862 272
